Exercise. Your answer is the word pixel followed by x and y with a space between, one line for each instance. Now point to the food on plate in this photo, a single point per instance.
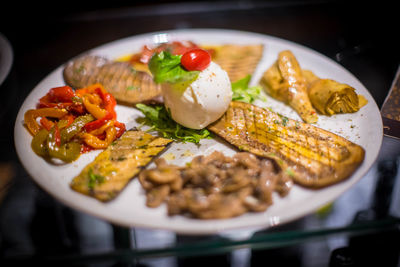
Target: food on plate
pixel 330 97
pixel 245 93
pixel 140 60
pixel 113 168
pixel 194 98
pixel 196 59
pixel 73 122
pixel 238 60
pixel 284 81
pixel 158 118
pixel 127 85
pixel 313 157
pixel 309 76
pixel 327 96
pixel 215 186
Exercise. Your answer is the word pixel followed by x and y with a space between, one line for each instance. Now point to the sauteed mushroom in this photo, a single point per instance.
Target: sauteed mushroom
pixel 216 186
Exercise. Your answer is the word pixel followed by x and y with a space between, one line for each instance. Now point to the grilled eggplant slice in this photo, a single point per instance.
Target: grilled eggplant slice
pixel 126 84
pixel 238 60
pixel 113 168
pixel 313 157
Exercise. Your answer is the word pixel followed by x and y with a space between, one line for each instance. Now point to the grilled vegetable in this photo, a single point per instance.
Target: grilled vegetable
pixel 67 152
pixel 31 115
pixel 75 127
pixel 330 97
pixel 49 144
pixel 121 80
pixel 313 157
pixel 39 143
pixel 113 168
pixel 284 81
pixel 238 61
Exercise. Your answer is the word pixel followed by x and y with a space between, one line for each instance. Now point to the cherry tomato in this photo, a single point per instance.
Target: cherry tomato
pixel 196 59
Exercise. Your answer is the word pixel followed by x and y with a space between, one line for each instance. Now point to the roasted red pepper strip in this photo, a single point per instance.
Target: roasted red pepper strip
pixel 44 102
pixel 46 123
pixel 97 123
pixel 96 142
pixel 86 148
pixel 57 135
pixel 70 118
pixel 82 91
pixel 61 94
pixel 77 108
pixel 31 115
pixel 121 128
pixel 60 97
pixel 109 101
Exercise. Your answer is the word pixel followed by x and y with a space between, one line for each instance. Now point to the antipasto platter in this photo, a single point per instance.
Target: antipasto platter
pixel 264 131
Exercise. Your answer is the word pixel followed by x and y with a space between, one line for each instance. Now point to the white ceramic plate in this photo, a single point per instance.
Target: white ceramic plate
pixel 129 209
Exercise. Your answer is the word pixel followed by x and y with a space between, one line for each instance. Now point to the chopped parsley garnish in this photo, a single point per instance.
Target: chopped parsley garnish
pixel 94 179
pixel 284 119
pixel 290 172
pixel 159 119
pixel 131 87
pixel 80 69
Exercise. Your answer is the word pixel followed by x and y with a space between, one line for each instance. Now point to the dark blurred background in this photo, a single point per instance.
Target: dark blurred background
pixel 342 30
pixel 359 35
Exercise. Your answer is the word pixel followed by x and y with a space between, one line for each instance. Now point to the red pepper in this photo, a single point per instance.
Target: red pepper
pixel 109 102
pixel 102 136
pixel 146 55
pixel 76 108
pixel 121 128
pixel 57 135
pixel 43 103
pixel 60 97
pixel 100 93
pixel 82 91
pixel 61 94
pixel 86 148
pixel 70 118
pixel 46 123
pixel 90 126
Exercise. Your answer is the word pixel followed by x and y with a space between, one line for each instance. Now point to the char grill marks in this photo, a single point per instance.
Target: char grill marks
pixel 106 176
pixel 239 61
pixel 119 78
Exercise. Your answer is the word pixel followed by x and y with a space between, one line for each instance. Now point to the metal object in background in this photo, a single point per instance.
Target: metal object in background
pixel 391 109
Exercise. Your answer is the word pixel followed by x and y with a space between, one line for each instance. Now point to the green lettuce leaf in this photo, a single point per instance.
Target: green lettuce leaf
pixel 167 67
pixel 159 119
pixel 242 91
